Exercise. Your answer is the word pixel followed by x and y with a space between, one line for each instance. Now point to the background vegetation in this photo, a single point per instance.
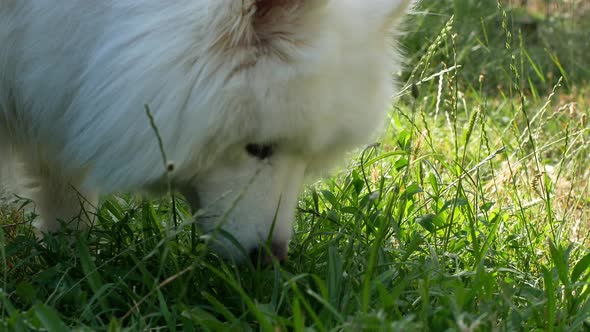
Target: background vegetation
pixel 472 213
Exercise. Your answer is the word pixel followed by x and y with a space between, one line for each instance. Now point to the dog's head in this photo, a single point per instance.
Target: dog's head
pixel 296 83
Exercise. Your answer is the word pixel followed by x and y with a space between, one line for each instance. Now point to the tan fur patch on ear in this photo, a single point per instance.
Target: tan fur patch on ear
pixel 235 28
pixel 255 29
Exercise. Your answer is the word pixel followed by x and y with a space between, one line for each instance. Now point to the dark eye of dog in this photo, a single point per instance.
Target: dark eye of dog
pixel 260 151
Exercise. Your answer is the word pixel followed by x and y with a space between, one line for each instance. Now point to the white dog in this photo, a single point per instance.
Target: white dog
pixel 248 96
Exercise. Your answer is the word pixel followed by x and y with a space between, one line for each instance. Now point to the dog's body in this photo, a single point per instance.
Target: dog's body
pixel 248 97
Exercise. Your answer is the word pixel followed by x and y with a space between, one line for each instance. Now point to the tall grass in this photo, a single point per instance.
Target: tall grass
pixel 471 214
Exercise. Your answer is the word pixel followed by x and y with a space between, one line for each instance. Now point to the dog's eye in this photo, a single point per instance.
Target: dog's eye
pixel 260 151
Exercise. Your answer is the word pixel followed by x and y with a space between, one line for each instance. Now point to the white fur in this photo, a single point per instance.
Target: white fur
pixel 312 77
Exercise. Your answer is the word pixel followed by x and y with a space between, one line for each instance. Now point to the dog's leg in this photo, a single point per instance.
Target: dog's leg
pixel 60 199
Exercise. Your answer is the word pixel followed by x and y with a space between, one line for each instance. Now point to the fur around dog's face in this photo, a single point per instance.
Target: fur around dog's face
pixel 312 81
pixel 248 96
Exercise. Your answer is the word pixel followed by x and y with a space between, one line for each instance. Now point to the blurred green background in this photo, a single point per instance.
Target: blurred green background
pixel 554 36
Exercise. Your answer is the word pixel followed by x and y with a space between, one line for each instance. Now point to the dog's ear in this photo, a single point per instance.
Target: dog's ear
pixel 243 23
pixel 263 6
pixel 272 14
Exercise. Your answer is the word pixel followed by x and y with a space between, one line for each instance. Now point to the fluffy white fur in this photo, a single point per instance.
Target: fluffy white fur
pixel 310 77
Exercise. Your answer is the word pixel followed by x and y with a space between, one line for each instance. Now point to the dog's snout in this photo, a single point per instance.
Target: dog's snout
pixel 265 253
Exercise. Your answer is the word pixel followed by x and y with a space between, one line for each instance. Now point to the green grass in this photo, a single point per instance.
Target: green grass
pixel 472 214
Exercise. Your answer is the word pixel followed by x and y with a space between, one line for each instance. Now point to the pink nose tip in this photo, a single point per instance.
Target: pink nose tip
pixel 265 254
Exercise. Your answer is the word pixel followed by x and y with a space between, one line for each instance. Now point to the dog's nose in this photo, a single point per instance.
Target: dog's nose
pixel 265 253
